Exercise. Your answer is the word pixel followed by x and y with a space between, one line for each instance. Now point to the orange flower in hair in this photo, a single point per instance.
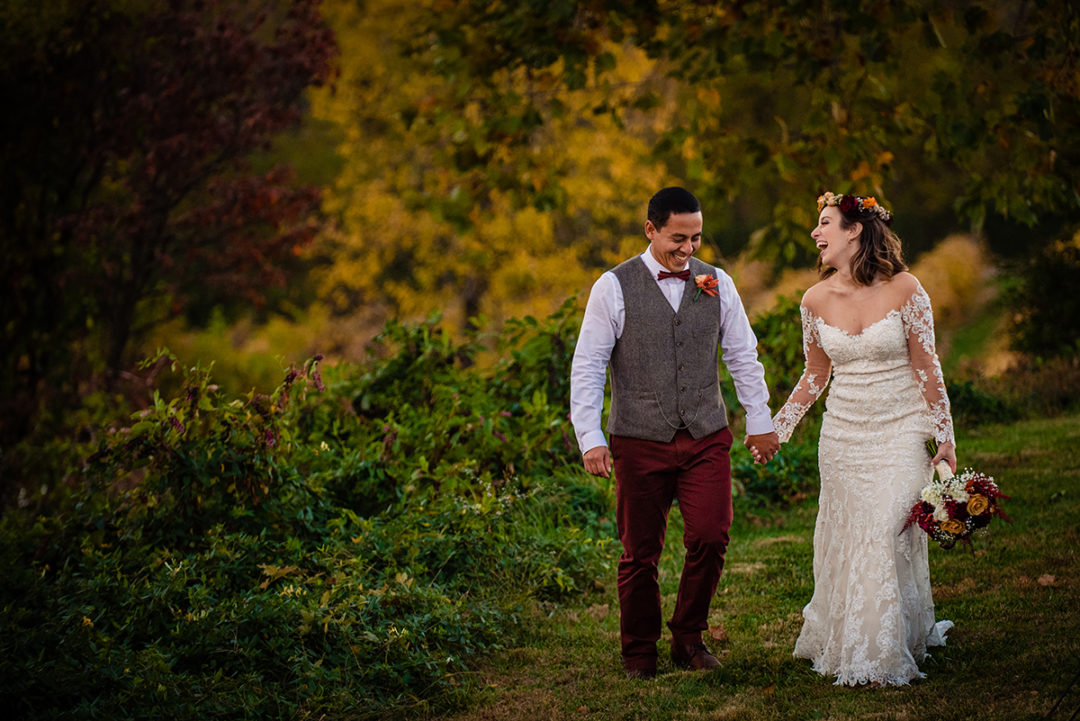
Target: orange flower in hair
pixel 854 205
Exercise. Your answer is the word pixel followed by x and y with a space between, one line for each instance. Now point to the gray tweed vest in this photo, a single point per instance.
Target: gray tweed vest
pixel 665 372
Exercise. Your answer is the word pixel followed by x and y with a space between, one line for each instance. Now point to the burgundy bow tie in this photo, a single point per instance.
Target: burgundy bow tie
pixel 681 275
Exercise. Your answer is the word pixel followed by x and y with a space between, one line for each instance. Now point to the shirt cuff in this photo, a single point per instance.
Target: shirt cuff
pixel 758 423
pixel 590 440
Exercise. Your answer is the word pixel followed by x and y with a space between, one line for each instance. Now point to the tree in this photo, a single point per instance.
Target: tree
pixel 489 138
pixel 473 195
pixel 971 109
pixel 125 192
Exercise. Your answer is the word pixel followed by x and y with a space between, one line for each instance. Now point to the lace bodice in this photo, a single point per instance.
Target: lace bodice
pixel 900 343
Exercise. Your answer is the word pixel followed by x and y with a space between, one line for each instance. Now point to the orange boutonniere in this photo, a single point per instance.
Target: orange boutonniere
pixel 706 284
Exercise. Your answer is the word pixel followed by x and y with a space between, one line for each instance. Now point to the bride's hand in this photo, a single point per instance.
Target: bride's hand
pixel 946 452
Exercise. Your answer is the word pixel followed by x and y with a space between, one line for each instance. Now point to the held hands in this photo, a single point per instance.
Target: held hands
pixel 763 447
pixel 598 461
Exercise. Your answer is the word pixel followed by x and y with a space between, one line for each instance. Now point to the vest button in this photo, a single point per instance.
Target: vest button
pixel 677 321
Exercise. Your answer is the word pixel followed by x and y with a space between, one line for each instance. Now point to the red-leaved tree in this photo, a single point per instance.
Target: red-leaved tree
pixel 125 188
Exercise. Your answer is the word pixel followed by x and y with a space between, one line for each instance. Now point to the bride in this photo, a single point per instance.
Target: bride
pixel 868 323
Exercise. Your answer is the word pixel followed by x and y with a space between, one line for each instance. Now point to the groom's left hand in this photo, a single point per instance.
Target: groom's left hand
pixel 763 446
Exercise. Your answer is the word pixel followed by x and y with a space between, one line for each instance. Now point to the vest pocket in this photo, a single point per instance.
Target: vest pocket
pixel 710 398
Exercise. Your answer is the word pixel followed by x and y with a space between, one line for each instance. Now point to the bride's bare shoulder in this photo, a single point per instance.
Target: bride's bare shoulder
pixel 905 281
pixel 904 285
pixel 817 295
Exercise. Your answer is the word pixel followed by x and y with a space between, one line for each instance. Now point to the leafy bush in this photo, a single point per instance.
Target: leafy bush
pixel 787 479
pixel 793 474
pixel 779 334
pixel 339 549
pixel 973 405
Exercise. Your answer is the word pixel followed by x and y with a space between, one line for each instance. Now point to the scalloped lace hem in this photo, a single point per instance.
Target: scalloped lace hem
pixel 869 673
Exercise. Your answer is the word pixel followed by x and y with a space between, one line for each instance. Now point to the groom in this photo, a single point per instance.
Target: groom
pixel 660 335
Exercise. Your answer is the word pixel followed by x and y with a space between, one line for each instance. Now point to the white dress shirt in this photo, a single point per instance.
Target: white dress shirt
pixel 602 325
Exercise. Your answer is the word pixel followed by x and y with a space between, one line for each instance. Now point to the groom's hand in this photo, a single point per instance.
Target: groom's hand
pixel 763 446
pixel 598 461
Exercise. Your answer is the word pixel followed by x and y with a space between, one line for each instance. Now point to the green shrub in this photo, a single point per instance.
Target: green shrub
pixel 780 348
pixel 341 551
pixel 974 405
pixel 787 479
pixel 338 548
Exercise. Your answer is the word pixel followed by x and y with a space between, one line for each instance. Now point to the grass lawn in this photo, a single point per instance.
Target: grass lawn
pixel 1013 654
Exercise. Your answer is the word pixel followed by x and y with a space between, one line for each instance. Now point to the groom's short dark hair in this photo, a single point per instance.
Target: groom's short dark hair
pixel 669 201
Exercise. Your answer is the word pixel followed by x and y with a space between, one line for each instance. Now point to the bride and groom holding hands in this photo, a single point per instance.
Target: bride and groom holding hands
pixel 659 323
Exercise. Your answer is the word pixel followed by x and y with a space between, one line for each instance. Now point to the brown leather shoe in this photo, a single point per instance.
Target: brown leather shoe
pixel 640 674
pixel 693 656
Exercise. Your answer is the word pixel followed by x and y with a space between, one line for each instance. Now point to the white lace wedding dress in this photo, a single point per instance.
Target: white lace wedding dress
pixel 871 617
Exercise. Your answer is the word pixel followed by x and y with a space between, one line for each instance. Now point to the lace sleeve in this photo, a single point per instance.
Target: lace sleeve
pixel 918 320
pixel 811 384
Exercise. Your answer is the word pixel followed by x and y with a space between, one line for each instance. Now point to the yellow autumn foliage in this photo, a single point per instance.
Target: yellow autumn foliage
pixel 411 234
pixel 515 228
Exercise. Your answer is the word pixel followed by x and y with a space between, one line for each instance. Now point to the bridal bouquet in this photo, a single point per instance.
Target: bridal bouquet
pixel 955 506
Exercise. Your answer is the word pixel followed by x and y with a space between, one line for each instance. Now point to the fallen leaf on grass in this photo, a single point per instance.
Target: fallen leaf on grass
pixel 718 633
pixel 1046 580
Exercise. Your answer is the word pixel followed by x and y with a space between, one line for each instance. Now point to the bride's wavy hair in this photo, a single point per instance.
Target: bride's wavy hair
pixel 879 251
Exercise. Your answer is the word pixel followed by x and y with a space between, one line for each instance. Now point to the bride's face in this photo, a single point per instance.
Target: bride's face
pixel 836 244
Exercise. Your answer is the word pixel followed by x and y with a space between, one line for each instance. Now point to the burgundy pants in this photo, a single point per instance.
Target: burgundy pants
pixel 649 475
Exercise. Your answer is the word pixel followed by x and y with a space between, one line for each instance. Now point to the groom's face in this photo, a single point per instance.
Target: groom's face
pixel 673 244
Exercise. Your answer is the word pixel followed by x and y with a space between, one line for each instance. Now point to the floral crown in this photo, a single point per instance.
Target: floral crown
pixel 854 205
